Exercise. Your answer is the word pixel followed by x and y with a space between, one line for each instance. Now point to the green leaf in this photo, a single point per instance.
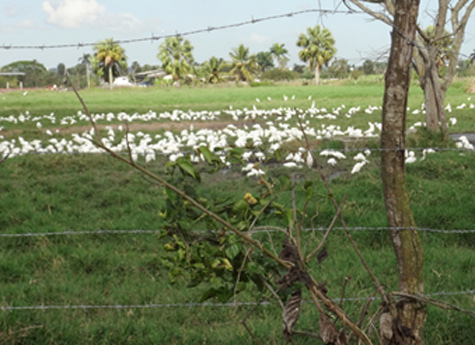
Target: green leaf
pixel 186 167
pixel 308 193
pixel 235 156
pixel 290 218
pixel 240 206
pixel 171 195
pixel 210 157
pixel 268 246
pixel 210 293
pixel 285 181
pixel 233 251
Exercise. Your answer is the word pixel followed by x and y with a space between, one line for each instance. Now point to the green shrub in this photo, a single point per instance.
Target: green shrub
pixel 277 74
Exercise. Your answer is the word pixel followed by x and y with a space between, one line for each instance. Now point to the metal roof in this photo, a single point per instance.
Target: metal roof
pixel 11 73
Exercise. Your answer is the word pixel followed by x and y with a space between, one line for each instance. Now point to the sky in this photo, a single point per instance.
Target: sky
pixel 52 22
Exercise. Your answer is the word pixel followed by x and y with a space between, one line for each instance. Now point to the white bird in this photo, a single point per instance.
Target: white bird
pixel 411 158
pixel 290 165
pixel 464 143
pixel 359 157
pixel 332 161
pixel 309 160
pixel 426 151
pixel 255 172
pixel 333 153
pixel 357 167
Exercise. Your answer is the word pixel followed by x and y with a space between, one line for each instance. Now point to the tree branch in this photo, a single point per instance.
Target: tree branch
pixel 192 201
pixel 434 302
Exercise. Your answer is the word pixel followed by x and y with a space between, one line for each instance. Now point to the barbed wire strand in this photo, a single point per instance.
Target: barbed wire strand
pixel 195 304
pixel 260 230
pixel 13 154
pixel 208 29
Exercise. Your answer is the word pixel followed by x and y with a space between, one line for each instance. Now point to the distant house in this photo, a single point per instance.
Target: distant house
pixel 122 81
pixel 148 77
pixel 14 75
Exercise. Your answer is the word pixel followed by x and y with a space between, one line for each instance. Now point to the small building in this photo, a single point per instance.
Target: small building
pixel 12 74
pixel 122 81
pixel 148 77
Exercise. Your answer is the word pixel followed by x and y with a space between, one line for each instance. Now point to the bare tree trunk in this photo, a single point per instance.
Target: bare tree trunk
pixel 408 316
pixel 317 74
pixel 110 77
pixel 434 95
pixel 88 76
pixel 434 101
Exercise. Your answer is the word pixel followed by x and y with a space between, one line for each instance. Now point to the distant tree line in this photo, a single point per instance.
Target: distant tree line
pixel 175 54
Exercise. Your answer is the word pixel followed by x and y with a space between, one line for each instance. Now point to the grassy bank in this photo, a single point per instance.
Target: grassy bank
pixel 57 193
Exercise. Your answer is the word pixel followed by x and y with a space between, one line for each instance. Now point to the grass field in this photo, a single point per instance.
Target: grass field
pixel 56 193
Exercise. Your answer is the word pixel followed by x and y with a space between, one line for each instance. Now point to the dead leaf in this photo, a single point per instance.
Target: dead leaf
pixel 342 337
pixel 291 313
pixel 322 255
pixel 386 328
pixel 328 331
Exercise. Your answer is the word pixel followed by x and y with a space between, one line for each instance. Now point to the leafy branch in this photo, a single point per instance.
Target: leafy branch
pixel 291 257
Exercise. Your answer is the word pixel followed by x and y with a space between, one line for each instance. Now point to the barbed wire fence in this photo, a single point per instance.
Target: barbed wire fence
pixel 154 38
pixel 262 229
pixel 201 305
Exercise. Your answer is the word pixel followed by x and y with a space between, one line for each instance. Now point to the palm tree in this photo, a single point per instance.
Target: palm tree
pixel 243 65
pixel 212 68
pixel 264 59
pixel 280 53
pixel 177 59
pixel 109 57
pixel 85 60
pixel 318 48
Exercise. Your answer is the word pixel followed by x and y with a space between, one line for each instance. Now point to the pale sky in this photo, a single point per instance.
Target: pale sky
pixel 51 22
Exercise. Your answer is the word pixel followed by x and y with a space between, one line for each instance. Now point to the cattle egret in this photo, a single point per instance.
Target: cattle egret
pixel 309 160
pixel 333 153
pixel 411 158
pixel 359 157
pixel 357 167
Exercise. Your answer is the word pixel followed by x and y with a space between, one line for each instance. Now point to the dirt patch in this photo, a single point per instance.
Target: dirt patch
pixel 134 127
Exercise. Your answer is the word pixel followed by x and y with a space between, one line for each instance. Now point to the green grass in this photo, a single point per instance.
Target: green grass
pixel 91 192
pixel 141 100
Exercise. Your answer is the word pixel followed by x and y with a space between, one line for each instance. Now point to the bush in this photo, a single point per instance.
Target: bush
pixel 261 83
pixel 277 74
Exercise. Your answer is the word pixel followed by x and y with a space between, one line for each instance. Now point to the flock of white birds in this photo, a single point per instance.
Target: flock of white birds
pixel 269 131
